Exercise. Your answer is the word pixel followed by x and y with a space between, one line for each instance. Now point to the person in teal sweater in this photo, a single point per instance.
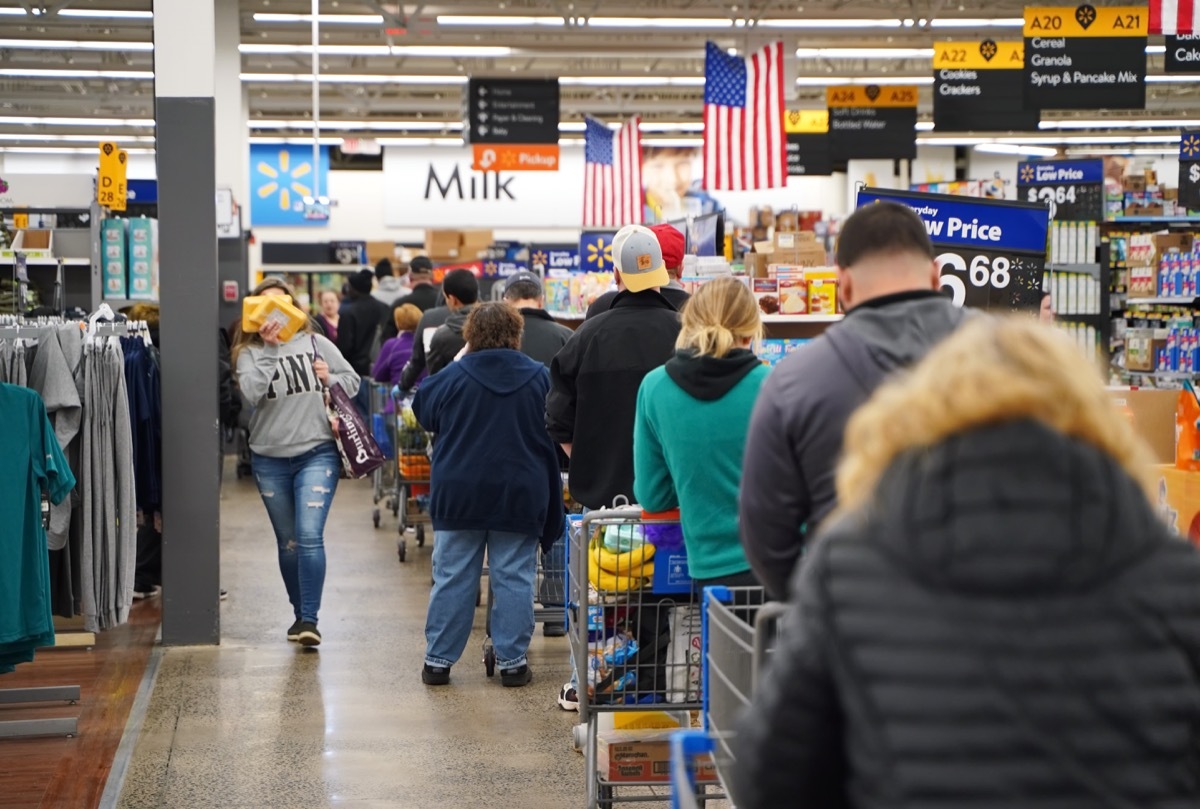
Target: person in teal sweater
pixel 690 429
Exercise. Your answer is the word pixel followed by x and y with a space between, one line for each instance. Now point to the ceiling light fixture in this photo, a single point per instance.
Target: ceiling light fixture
pixel 373 126
pixel 1121 123
pixel 831 81
pixel 25 120
pixel 494 20
pixel 335 78
pixel 334 19
pixel 376 50
pixel 827 23
pixel 659 22
pixel 105 14
pixel 633 81
pixel 34 136
pixel 1014 149
pixel 65 44
pixel 864 53
pixel 71 73
pixel 135 150
pixel 978 22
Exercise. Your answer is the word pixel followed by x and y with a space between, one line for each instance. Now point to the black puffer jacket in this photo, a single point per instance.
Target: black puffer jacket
pixel 1008 626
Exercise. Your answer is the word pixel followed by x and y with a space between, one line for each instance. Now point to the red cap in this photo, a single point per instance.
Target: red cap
pixel 671 242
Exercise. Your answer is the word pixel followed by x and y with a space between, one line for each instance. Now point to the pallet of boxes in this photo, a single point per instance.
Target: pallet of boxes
pixel 789 272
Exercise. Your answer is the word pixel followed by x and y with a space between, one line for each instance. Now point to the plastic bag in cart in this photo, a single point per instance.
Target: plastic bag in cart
pixel 616 652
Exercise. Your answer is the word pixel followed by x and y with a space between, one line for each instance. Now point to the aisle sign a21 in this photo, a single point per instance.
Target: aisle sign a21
pixel 1072 189
pixel 991 253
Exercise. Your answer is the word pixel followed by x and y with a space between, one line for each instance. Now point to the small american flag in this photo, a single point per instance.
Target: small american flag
pixel 612 183
pixel 744 146
pixel 1174 17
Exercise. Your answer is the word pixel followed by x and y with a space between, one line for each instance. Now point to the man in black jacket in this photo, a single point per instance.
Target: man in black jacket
pixel 888 283
pixel 360 330
pixel 543 337
pixel 594 379
pixel 439 334
pixel 420 276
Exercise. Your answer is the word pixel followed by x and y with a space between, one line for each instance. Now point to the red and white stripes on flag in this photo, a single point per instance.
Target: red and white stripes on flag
pixel 612 183
pixel 1173 17
pixel 744 144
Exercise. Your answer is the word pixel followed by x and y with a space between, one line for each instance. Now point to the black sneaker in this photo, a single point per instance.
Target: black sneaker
pixel 515 678
pixel 308 635
pixel 294 630
pixel 568 698
pixel 553 629
pixel 435 675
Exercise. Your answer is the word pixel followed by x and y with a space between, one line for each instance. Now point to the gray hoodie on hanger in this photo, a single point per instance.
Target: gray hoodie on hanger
pixel 288 400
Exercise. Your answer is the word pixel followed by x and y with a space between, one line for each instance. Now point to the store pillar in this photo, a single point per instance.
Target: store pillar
pixel 185 55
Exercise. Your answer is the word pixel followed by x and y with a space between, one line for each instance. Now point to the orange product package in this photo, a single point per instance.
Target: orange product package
pixel 1187 431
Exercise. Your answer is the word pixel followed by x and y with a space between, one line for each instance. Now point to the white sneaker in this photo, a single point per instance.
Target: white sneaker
pixel 568 698
pixel 140 595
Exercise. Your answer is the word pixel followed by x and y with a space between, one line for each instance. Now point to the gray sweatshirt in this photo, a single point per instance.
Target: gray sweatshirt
pixel 289 403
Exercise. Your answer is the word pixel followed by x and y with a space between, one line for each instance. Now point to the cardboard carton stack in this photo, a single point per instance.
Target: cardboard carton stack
pixel 1143 196
pixel 457 245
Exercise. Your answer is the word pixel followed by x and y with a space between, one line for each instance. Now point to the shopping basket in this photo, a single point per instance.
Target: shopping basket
pixel 737 635
pixel 413 473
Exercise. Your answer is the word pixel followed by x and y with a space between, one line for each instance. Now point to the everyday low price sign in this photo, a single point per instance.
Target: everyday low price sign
pixel 1072 189
pixel 1189 170
pixel 991 253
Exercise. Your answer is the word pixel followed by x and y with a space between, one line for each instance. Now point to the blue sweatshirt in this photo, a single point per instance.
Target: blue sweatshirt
pixel 688 440
pixel 494 465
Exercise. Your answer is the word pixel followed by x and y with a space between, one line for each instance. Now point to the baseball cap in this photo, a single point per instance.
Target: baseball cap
pixel 671 242
pixel 420 265
pixel 639 258
pixel 523 275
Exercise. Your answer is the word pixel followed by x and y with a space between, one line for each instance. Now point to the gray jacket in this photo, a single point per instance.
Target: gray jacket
pixel 795 438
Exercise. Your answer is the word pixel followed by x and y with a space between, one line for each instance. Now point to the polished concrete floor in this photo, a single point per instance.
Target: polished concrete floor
pixel 259 723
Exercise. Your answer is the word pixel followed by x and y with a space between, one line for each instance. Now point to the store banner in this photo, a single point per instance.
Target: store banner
pixel 1189 170
pixel 547 258
pixel 1085 57
pixel 281 176
pixel 595 250
pixel 872 122
pixel 991 253
pixel 437 187
pixel 1072 189
pixel 980 87
pixel 807 133
pixel 1182 54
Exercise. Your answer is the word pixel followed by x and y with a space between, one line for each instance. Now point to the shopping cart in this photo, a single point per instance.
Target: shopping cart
pixel 386 479
pixel 412 463
pixel 737 635
pixel 634 634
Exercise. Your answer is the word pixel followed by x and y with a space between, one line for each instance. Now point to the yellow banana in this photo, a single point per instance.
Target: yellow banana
pixel 604 581
pixel 623 563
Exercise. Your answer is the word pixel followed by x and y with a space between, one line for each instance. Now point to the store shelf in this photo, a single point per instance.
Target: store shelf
pixel 1163 374
pixel 1134 220
pixel 50 262
pixel 1093 318
pixel 118 304
pixel 801 318
pixel 1089 269
pixel 1170 301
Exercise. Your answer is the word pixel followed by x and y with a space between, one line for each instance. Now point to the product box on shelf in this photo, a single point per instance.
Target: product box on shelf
pixel 766 292
pixel 822 292
pixel 443 244
pixel 1152 414
pixel 1142 347
pixel 143 259
pixel 114 261
pixel 1179 501
pixel 793 289
pixel 642 755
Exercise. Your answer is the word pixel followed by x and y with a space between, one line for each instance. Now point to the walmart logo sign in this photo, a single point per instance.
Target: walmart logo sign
pixel 281 176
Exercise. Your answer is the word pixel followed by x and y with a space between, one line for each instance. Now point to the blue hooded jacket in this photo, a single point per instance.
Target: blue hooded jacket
pixel 494 465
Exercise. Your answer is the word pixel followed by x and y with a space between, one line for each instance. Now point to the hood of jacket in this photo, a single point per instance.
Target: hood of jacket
pixel 900 329
pixel 458 318
pixel 1011 509
pixel 500 370
pixel 709 378
pixel 390 284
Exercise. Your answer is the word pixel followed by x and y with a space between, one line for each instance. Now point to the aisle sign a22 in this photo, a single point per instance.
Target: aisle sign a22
pixel 1073 189
pixel 991 253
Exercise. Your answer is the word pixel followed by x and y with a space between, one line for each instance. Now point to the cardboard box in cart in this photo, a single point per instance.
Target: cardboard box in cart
pixel 641 755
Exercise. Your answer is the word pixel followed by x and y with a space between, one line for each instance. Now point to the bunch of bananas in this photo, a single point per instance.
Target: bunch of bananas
pixel 619 572
pixel 409 418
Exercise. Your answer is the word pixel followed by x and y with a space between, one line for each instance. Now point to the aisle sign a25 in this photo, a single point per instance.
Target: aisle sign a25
pixel 991 254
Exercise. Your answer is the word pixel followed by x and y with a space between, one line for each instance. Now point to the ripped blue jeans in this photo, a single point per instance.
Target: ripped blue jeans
pixel 298 493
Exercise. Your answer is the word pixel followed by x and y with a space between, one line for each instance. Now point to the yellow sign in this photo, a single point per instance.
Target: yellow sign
pixel 20 221
pixel 872 95
pixel 806 122
pixel 1087 21
pixel 986 55
pixel 110 186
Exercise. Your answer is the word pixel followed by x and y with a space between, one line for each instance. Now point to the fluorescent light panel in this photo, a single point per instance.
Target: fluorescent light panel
pixel 87 45
pixel 103 14
pixel 864 53
pixel 495 20
pixel 374 126
pixel 1122 123
pixel 74 73
pixel 333 19
pixel 1011 148
pixel 94 139
pixel 376 50
pixel 830 81
pixel 334 78
pixel 26 120
pixel 659 22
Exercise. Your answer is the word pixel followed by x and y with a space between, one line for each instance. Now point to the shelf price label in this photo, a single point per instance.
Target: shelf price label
pixel 1073 190
pixel 991 253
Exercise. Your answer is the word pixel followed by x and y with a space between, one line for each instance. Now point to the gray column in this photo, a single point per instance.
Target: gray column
pixel 185 48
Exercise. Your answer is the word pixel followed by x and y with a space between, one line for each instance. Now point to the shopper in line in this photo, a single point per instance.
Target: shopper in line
pixel 543 337
pixel 329 303
pixel 462 290
pixel 995 616
pixel 448 341
pixel 360 331
pixel 690 431
pixel 388 288
pixel 888 283
pixel 397 351
pixel 502 495
pixel 293 454
pixel 594 379
pixel 424 292
pixel 670 239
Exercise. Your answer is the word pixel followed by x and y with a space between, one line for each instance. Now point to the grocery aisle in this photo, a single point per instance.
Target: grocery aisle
pixel 259 723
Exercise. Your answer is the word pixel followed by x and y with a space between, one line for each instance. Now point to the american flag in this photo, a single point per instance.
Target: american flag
pixel 744 146
pixel 612 183
pixel 1173 17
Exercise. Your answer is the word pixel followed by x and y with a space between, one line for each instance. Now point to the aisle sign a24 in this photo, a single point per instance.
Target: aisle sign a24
pixel 991 254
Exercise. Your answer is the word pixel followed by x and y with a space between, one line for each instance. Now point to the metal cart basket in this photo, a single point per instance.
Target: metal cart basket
pixel 412 464
pixel 386 479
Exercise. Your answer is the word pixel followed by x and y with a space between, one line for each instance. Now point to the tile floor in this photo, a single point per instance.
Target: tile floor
pixel 260 723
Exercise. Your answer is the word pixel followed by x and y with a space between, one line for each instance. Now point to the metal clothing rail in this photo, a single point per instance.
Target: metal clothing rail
pixel 24 728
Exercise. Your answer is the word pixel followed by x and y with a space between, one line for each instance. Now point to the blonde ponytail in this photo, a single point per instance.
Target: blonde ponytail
pixel 718 317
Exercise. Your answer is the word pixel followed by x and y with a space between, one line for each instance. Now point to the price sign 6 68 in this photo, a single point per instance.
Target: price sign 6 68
pixel 979 271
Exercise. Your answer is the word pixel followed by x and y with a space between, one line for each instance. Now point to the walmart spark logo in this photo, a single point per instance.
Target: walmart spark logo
pixel 599 254
pixel 1026 173
pixel 283 179
pixel 1189 147
pixel 282 175
pixel 540 258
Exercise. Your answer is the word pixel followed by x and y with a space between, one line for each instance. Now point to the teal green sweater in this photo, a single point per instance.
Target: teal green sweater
pixel 687 453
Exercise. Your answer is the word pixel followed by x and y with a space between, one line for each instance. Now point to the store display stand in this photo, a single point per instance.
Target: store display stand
pixel 24 728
